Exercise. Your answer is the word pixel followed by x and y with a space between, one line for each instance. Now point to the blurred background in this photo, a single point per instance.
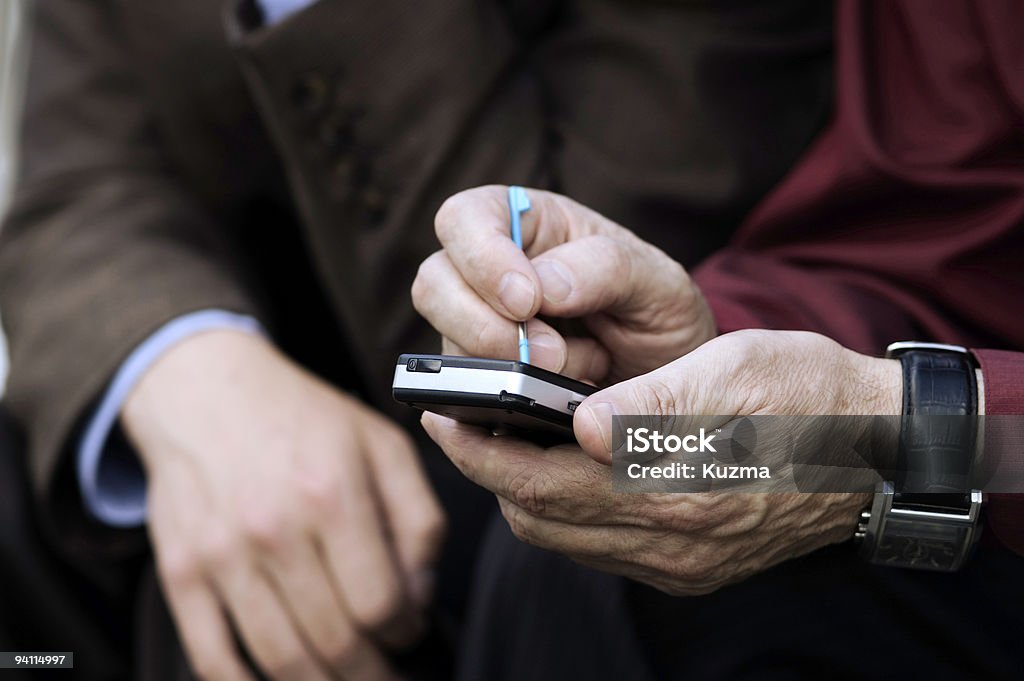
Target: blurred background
pixel 11 50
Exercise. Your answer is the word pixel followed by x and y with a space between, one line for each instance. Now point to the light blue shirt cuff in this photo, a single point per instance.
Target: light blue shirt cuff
pixel 276 10
pixel 110 476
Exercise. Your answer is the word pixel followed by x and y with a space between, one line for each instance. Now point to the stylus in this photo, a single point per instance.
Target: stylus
pixel 518 202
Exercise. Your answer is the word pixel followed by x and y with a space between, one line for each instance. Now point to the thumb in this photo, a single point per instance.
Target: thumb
pixel 660 392
pixel 693 385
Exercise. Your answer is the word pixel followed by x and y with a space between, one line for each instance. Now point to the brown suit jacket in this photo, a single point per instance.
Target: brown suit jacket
pixel 179 156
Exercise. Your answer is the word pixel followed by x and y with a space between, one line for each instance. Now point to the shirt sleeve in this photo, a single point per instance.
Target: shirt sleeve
pixel 1004 396
pixel 110 477
pixel 278 10
pixel 903 220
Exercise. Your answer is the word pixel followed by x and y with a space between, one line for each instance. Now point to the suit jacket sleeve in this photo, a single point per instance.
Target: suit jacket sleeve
pixel 102 246
pixel 903 221
pixel 107 241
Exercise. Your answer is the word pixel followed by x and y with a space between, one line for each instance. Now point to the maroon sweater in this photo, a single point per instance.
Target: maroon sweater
pixel 905 219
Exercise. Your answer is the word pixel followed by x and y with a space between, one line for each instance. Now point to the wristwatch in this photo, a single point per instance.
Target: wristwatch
pixel 928 517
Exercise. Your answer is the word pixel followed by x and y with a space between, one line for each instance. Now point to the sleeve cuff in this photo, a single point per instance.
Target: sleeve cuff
pixel 111 479
pixel 275 11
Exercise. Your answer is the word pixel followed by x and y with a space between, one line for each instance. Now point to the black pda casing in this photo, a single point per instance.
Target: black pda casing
pixel 506 396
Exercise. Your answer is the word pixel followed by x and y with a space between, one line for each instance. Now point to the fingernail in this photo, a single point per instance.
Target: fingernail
pixel 555 280
pixel 516 293
pixel 421 587
pixel 602 413
pixel 547 352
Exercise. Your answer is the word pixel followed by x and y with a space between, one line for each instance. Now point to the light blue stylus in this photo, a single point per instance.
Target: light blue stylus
pixel 518 202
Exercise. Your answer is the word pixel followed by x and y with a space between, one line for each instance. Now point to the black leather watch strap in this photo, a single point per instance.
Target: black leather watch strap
pixel 929 518
pixel 937 453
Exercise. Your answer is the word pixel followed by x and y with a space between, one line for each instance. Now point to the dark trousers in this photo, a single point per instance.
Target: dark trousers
pixel 113 616
pixel 538 616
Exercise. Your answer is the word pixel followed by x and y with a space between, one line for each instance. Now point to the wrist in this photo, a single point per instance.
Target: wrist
pixel 877 386
pixel 192 377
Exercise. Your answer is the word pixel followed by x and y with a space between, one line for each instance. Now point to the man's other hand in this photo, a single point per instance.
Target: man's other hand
pixel 281 509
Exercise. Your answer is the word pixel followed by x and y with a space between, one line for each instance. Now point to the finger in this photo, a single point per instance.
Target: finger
pixel 203 628
pixel 620 275
pixel 414 515
pixel 265 627
pixel 458 313
pixel 558 483
pixel 202 624
pixel 572 539
pixel 473 227
pixel 688 564
pixel 301 578
pixel 586 360
pixel 361 560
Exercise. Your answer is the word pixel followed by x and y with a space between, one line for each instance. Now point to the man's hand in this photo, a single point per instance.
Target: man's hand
pixel 639 307
pixel 561 498
pixel 282 509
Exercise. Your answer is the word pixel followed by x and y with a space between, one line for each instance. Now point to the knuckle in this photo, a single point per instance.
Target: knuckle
pixel 218 547
pixel 320 493
pixel 749 365
pixel 180 568
pixel 284 660
pixel 703 565
pixel 692 520
pixel 343 648
pixel 423 286
pixel 378 607
pixel 695 516
pixel 616 258
pixel 428 531
pixel 397 440
pixel 519 523
pixel 744 349
pixel 699 518
pixel 692 568
pixel 397 443
pixel 263 527
pixel 676 287
pixel 654 394
pixel 447 217
pixel 529 490
pixel 661 516
pixel 621 262
pixel 492 337
pixel 209 666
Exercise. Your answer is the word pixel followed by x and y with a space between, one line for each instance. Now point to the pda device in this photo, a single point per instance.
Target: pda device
pixel 506 396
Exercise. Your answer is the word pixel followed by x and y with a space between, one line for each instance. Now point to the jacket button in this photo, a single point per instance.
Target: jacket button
pixel 336 134
pixel 309 94
pixel 342 171
pixel 375 201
